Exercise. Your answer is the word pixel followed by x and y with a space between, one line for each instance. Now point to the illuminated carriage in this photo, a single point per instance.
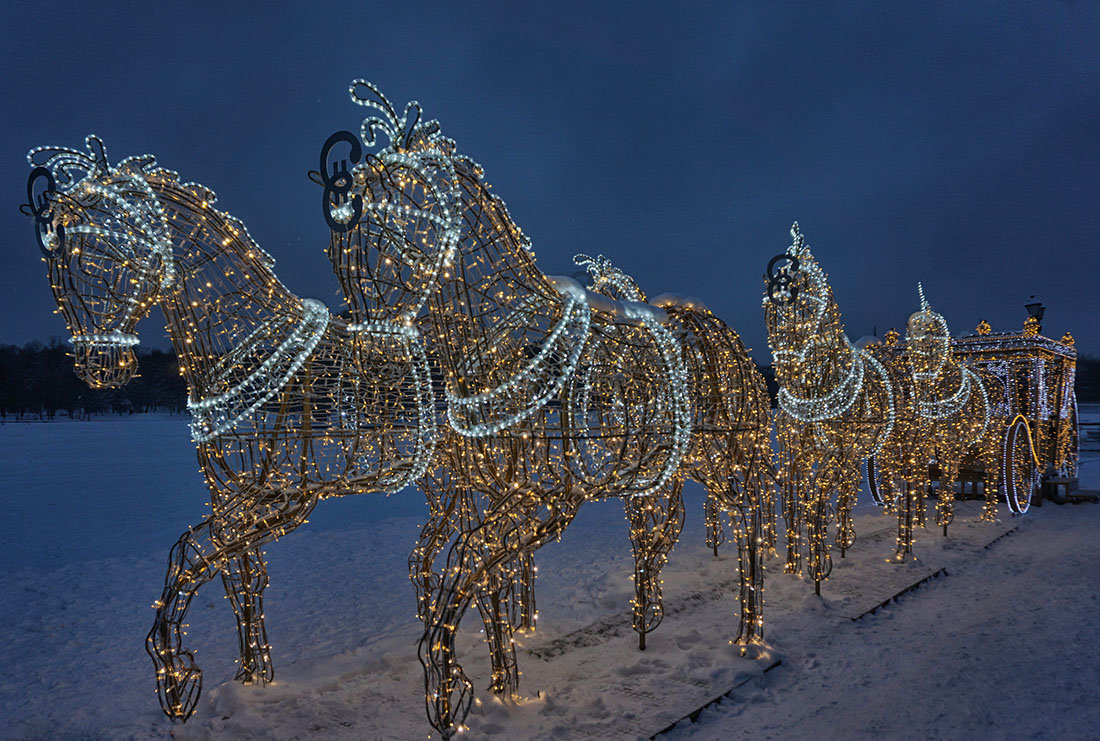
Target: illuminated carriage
pixel 1030 384
pixel 1036 376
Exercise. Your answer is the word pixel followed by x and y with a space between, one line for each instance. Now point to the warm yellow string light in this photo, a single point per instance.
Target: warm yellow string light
pixel 289 404
pixel 555 394
pixel 837 407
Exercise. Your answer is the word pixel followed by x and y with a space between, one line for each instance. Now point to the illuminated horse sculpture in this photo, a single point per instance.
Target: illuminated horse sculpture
pixel 289 404
pixel 836 406
pixel 730 452
pixel 954 416
pixel 552 400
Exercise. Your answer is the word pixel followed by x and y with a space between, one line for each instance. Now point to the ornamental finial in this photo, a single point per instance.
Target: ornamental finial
pixel 923 301
pixel 1031 327
pixel 798 241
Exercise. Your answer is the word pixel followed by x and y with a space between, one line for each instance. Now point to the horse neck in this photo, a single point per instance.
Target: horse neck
pixel 225 288
pixel 494 275
pixel 944 384
pixel 804 377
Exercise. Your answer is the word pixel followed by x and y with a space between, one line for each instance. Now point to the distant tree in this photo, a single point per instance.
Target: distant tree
pixel 38 380
pixel 1088 379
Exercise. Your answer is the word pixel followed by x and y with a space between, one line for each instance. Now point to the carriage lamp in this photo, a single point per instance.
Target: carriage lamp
pixel 1035 310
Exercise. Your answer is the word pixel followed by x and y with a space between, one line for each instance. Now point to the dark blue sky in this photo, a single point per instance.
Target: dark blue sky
pixel 956 143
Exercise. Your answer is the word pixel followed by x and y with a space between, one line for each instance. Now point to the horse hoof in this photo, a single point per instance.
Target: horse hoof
pixel 180 687
pixel 248 676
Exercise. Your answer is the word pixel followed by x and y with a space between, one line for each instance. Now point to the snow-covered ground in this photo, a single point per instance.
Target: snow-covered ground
pixel 1004 645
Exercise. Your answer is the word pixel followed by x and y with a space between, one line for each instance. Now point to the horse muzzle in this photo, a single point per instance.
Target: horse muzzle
pixel 105 361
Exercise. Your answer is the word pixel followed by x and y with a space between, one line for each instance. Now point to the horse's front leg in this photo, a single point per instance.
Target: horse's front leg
pixel 526 613
pixel 712 517
pixel 991 453
pixel 816 503
pixel 497 602
pixel 945 503
pixel 218 545
pixel 792 477
pixel 448 692
pixel 655 525
pixel 906 511
pixel 748 522
pixel 846 500
pixel 245 578
pixel 434 536
pixel 500 538
pixel 179 679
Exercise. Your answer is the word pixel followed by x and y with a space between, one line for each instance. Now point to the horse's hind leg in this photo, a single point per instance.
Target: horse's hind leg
pixel 244 578
pixel 655 525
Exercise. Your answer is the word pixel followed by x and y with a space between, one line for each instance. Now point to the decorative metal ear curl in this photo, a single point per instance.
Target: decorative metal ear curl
pixel 337 200
pixel 51 237
pixel 780 290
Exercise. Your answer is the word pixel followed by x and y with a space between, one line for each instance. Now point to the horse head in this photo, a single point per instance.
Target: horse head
pixel 104 236
pixel 928 341
pixel 392 212
pixel 799 309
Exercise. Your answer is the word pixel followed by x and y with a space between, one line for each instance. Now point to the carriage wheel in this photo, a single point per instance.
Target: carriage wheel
pixel 1019 468
pixel 876 484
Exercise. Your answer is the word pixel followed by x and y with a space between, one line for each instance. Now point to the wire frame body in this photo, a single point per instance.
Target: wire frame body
pixel 898 474
pixel 289 404
pixel 550 400
pixel 730 453
pixel 953 412
pixel 837 408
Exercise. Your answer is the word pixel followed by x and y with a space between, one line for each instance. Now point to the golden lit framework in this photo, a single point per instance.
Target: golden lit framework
pixel 897 475
pixel 290 405
pixel 1034 398
pixel 836 406
pixel 954 417
pixel 552 399
pixel 943 418
pixel 730 452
